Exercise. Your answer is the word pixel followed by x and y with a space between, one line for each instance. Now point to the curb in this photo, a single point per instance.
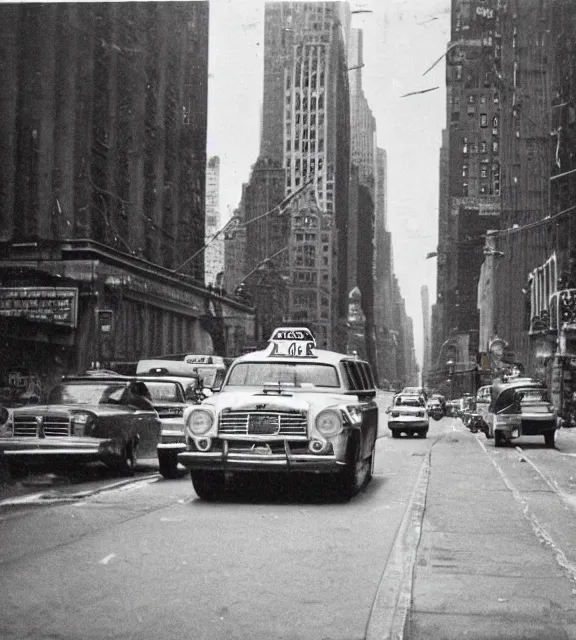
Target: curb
pixel 50 498
pixel 389 611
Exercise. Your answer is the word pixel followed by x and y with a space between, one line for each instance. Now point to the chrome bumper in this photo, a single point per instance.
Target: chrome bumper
pixel 251 461
pixel 41 450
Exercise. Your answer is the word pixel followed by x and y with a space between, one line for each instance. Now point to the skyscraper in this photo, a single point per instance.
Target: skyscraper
pixel 305 125
pixel 214 252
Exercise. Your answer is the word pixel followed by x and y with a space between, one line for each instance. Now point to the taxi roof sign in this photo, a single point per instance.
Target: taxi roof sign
pixel 292 341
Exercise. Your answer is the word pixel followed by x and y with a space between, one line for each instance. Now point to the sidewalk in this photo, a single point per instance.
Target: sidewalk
pixel 480 570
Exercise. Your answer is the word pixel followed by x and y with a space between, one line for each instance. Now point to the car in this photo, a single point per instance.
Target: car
pixel 408 415
pixel 287 408
pixel 85 419
pixel 521 407
pixel 414 391
pixel 169 399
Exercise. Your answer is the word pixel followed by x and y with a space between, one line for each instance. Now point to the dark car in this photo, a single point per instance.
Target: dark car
pixel 85 419
pixel 521 408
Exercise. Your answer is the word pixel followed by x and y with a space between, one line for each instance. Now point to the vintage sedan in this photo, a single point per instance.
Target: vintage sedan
pixel 288 408
pixel 85 419
pixel 408 414
pixel 521 407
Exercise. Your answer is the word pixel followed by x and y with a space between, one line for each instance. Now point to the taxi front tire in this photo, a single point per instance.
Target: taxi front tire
pixel 209 485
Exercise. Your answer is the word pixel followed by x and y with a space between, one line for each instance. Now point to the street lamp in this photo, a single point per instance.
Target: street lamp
pixel 450 366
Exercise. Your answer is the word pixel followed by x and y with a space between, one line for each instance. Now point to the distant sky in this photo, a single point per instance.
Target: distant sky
pixel 402 39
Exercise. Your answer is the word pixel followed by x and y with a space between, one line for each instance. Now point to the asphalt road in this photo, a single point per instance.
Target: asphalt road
pixel 150 560
pixel 285 562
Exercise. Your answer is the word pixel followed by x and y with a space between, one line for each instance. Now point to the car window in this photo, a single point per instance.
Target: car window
pixel 409 402
pixel 355 379
pixel 298 374
pixel 98 393
pixel 164 392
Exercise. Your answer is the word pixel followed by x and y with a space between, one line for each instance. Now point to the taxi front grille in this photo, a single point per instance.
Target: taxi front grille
pixel 52 426
pixel 269 423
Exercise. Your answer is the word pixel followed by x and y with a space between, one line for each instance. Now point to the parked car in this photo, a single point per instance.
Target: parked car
pixel 85 419
pixel 408 415
pixel 287 408
pixel 519 408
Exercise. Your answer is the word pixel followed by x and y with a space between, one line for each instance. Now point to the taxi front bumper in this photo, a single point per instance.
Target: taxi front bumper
pixel 261 458
pixel 55 450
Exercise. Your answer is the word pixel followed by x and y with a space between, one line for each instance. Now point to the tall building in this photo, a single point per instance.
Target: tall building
pixel 361 212
pixel 471 205
pixel 305 125
pixel 425 332
pixel 102 167
pixel 214 252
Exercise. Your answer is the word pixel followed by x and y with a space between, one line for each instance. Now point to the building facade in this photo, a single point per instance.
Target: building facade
pixel 305 134
pixel 214 252
pixel 102 147
pixel 470 178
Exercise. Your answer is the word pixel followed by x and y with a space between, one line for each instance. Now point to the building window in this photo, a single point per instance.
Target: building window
pixel 483 189
pixel 494 146
pixel 483 172
pixel 464 170
pixel 483 147
pixel 483 120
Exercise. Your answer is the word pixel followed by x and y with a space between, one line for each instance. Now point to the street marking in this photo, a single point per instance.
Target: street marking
pixel 107 559
pixel 391 605
pixel 35 499
pixel 541 533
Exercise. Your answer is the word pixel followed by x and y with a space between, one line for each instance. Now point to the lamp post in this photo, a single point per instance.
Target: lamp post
pixel 450 380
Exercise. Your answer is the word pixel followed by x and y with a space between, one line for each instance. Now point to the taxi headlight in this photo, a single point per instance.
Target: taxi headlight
pixel 81 424
pixel 329 423
pixel 199 422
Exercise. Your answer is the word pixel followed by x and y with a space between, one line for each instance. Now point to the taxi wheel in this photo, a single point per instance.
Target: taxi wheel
pixel 168 464
pixel 209 485
pixel 371 461
pixel 395 433
pixel 550 439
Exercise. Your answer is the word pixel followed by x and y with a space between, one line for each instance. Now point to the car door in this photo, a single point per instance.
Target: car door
pixel 361 383
pixel 144 423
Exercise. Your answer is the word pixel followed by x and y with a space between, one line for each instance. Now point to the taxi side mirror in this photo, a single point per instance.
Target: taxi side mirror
pixel 388 409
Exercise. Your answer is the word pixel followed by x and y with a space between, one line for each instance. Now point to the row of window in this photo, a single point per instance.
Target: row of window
pixel 306 146
pixel 470 148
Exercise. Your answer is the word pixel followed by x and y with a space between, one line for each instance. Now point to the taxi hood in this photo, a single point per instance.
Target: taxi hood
pixel 257 400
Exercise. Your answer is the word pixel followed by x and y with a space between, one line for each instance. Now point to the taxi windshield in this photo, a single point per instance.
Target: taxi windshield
pixel 96 393
pixel 299 374
pixel 164 391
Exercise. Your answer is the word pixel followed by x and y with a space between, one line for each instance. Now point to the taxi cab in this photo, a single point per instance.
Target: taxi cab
pixel 288 408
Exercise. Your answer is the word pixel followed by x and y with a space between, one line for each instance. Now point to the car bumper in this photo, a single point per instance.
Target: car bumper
pixel 527 428
pixel 413 425
pixel 47 450
pixel 259 460
pixel 172 440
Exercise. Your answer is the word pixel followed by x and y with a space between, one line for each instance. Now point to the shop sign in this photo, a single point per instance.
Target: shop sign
pixel 52 305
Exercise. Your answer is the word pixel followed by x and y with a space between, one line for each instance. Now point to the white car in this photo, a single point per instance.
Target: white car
pixel 288 408
pixel 408 414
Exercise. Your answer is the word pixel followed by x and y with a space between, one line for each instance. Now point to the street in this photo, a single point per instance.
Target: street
pixel 147 559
